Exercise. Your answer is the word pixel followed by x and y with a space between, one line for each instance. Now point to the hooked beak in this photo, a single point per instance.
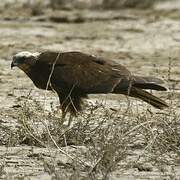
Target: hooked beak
pixel 12 65
pixel 14 62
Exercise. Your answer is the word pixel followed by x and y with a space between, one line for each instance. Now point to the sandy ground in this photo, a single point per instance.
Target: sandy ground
pixel 147 42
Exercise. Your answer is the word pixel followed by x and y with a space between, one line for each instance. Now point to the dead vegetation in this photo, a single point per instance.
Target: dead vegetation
pixel 131 141
pixel 104 140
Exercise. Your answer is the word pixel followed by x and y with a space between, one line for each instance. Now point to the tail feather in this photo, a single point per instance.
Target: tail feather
pixel 147 79
pixel 147 97
pixel 135 88
pixel 148 83
pixel 152 86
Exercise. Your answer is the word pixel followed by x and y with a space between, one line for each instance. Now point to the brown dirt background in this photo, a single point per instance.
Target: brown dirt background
pixel 146 41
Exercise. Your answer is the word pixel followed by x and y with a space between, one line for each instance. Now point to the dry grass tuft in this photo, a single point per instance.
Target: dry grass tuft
pixel 110 140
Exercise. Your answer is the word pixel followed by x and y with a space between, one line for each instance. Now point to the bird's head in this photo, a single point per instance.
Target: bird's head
pixel 24 59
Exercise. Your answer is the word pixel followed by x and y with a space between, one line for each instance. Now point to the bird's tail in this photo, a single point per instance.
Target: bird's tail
pixel 135 88
pixel 148 83
pixel 147 97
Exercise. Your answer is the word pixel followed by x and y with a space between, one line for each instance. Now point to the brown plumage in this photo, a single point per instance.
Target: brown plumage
pixel 74 75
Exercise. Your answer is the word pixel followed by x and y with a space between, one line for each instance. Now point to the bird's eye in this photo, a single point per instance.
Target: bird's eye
pixel 22 60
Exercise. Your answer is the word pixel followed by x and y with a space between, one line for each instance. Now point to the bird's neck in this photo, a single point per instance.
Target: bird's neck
pixel 26 68
pixel 38 76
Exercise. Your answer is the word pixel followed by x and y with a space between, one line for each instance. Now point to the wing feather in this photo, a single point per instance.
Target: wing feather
pixel 86 72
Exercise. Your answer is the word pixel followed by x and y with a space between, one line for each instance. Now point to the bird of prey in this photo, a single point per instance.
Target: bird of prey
pixel 74 75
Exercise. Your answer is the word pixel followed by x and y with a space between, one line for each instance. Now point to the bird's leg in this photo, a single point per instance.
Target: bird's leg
pixel 62 118
pixel 70 120
pixel 65 142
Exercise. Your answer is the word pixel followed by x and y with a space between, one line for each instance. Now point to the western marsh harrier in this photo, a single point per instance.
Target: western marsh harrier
pixel 74 75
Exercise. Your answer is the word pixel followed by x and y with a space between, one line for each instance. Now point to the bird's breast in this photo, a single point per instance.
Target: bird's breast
pixel 40 79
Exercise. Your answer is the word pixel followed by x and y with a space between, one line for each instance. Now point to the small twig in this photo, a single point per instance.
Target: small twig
pixel 49 79
pixel 138 126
